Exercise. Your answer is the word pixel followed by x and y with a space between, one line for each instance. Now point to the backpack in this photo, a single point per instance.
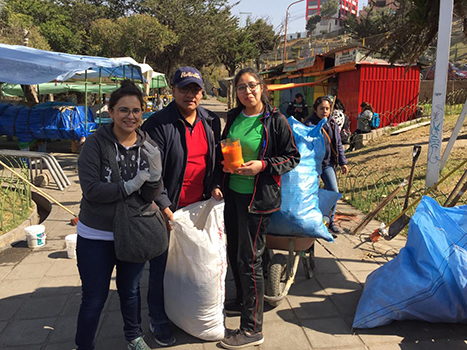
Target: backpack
pixel 345 131
pixel 375 121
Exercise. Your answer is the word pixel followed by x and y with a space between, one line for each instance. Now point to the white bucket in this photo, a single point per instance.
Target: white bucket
pixel 70 241
pixel 35 235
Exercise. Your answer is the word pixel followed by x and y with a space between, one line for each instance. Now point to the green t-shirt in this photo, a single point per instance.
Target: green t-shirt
pixel 249 130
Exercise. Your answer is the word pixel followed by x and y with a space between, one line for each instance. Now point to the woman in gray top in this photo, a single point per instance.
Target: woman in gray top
pixel 363 123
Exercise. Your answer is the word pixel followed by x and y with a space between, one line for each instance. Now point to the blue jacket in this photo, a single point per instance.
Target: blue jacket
pixel 334 151
pixel 167 128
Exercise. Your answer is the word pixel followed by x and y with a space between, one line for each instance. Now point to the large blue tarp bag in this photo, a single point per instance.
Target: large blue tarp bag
pixel 300 214
pixel 44 122
pixel 428 279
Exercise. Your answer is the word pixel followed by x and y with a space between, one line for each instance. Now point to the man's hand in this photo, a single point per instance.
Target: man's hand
pixel 250 168
pixel 217 194
pixel 168 216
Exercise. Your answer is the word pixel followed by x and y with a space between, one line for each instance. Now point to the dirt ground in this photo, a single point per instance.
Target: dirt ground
pixel 387 153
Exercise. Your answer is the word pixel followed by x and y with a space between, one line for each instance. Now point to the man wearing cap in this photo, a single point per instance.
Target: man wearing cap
pixel 186 134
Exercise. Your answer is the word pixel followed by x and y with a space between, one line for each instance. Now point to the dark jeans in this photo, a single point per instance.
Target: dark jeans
pixel 246 243
pixel 156 289
pixel 96 261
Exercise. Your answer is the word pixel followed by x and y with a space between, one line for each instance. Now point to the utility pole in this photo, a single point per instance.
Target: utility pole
pixel 245 13
pixel 285 31
pixel 439 92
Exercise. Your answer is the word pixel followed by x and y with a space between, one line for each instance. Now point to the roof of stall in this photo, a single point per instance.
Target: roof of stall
pixel 28 66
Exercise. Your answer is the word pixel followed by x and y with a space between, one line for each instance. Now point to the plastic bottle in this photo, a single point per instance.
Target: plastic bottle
pixel 232 151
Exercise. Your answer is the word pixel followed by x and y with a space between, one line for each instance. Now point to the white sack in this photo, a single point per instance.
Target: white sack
pixel 194 282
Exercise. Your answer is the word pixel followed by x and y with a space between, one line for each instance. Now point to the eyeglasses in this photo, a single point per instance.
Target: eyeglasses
pixel 125 112
pixel 195 90
pixel 251 86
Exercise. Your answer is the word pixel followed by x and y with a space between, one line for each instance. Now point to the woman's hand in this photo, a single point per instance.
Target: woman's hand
pixel 217 194
pixel 168 216
pixel 345 169
pixel 250 168
pixel 154 160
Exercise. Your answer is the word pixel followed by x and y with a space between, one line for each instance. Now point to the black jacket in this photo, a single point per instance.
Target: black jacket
pixel 100 195
pixel 334 151
pixel 300 116
pixel 278 153
pixel 167 128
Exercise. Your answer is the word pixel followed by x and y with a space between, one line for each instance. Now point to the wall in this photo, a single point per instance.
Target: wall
pixel 456 91
pixel 392 91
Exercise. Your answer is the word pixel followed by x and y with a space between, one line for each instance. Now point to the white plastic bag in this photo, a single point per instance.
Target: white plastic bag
pixel 194 282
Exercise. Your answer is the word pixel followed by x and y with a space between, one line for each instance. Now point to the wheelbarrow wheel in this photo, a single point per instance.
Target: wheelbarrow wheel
pixel 277 272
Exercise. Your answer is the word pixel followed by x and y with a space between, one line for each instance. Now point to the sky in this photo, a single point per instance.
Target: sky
pixel 275 10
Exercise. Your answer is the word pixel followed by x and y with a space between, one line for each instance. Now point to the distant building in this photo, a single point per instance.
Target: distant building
pixel 345 9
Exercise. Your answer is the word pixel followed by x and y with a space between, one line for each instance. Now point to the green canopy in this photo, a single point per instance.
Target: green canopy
pixel 158 81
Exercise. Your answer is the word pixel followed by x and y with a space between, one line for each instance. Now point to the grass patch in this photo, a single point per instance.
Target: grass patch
pixel 222 99
pixel 376 170
pixel 15 200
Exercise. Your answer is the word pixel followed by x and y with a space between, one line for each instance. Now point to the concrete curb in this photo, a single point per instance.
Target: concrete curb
pixel 17 234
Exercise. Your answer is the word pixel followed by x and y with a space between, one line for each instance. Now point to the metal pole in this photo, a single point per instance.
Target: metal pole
pixel 86 102
pixel 285 31
pixel 100 96
pixel 439 92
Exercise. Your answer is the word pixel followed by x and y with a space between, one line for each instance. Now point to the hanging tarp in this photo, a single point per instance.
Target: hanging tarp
pixel 50 121
pixel 29 66
pixel 9 90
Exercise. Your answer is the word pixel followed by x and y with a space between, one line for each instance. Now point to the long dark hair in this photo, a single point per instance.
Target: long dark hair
pixel 320 100
pixel 127 88
pixel 367 107
pixel 252 72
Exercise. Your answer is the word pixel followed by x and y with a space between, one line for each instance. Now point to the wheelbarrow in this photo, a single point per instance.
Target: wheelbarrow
pixel 281 268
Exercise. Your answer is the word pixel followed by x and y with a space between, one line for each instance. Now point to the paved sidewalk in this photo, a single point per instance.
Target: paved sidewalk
pixel 40 294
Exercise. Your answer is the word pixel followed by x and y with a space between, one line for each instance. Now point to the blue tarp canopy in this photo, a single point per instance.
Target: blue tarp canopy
pixel 29 66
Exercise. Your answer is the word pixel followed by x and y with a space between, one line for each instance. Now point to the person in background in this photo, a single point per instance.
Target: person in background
pixel 252 194
pixel 334 155
pixel 95 245
pixel 186 134
pixel 298 108
pixel 363 123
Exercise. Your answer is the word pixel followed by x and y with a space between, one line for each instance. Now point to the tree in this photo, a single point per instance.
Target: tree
pixel 311 24
pixel 329 9
pixel 141 37
pixel 235 46
pixel 263 36
pixel 405 33
pixel 197 24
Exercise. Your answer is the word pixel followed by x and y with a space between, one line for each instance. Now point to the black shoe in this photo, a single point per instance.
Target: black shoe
pixel 241 339
pixel 233 308
pixel 333 228
pixel 162 334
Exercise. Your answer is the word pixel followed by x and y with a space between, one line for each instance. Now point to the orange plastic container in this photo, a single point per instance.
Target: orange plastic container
pixel 232 151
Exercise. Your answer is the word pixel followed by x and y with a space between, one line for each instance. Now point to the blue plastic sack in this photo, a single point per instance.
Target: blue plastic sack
pixel 428 279
pixel 327 199
pixel 300 214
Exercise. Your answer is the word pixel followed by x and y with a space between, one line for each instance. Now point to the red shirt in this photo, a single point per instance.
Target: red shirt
pixel 193 182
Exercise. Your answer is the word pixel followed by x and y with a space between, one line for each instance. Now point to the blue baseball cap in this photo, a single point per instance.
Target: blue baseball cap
pixel 186 75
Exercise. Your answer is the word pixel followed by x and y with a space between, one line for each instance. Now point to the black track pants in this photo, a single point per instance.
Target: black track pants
pixel 245 246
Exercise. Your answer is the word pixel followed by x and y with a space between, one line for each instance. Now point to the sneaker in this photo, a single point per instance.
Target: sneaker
pixel 162 334
pixel 138 344
pixel 241 339
pixel 233 308
pixel 333 228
